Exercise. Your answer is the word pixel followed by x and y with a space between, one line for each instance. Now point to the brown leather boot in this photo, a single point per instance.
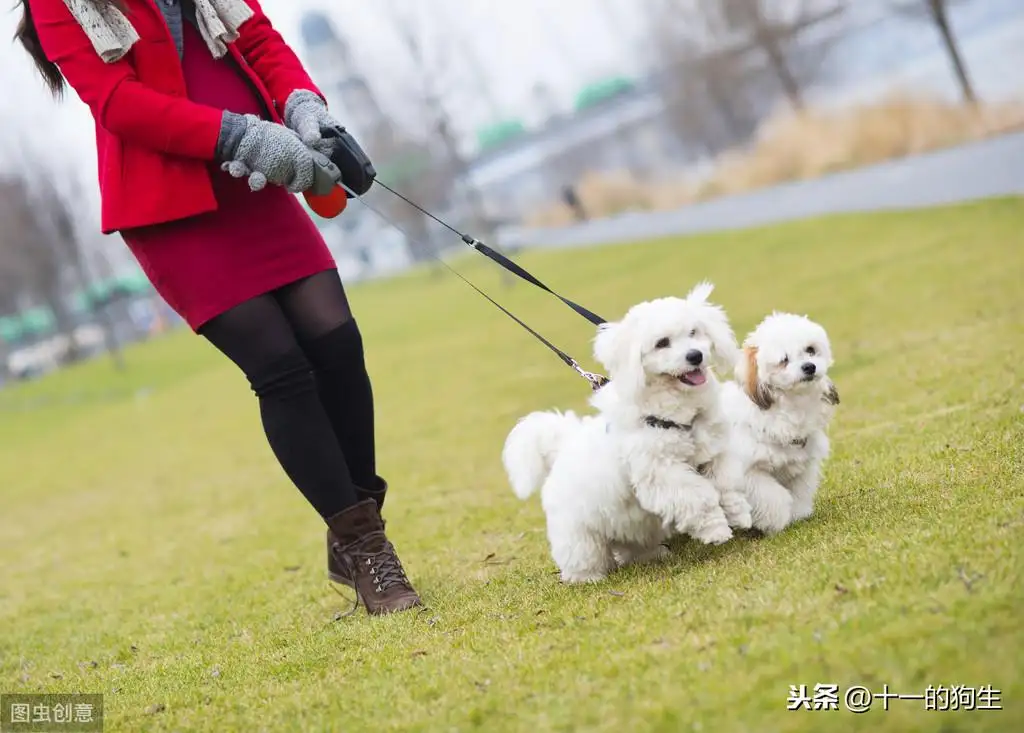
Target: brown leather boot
pixel 335 570
pixel 369 559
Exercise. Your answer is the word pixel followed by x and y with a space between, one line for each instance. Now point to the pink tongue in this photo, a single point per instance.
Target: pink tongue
pixel 696 377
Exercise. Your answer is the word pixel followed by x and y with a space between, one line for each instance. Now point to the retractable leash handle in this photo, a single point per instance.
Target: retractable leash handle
pixel 346 163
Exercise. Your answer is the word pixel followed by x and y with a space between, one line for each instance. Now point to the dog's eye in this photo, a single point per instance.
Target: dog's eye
pixel 662 343
pixel 810 351
pixel 693 332
pixel 785 361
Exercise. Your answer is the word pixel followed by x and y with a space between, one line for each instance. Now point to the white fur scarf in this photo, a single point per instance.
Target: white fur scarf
pixel 112 34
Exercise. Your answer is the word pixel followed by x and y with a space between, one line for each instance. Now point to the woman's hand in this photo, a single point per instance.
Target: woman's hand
pixel 306 113
pixel 265 152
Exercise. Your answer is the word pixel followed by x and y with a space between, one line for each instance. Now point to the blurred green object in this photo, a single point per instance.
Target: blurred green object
pixel 32 322
pixel 134 283
pixel 37 321
pixel 603 90
pixel 85 300
pixel 41 321
pixel 499 133
pixel 10 329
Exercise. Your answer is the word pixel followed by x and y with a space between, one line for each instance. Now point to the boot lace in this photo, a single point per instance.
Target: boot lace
pixel 384 566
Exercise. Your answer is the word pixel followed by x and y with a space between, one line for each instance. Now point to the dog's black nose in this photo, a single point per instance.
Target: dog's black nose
pixel 808 368
pixel 695 357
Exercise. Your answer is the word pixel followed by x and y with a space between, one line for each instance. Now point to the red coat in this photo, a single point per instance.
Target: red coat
pixel 153 144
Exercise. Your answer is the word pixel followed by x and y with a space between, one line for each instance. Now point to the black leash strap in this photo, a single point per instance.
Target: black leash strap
pixel 497 257
pixel 596 380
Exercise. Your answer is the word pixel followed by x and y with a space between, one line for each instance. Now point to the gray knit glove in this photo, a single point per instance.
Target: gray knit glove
pixel 265 152
pixel 306 113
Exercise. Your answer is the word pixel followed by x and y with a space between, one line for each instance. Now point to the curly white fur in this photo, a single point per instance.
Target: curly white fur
pixel 780 406
pixel 613 487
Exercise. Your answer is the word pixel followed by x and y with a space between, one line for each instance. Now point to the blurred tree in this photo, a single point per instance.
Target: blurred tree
pixel 937 12
pixel 433 81
pixel 759 27
pixel 16 262
pixel 42 257
pixel 725 63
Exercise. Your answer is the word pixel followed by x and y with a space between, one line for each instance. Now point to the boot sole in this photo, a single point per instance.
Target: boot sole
pixel 360 602
pixel 389 611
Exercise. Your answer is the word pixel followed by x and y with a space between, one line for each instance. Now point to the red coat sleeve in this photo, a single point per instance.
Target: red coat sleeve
pixel 272 58
pixel 120 103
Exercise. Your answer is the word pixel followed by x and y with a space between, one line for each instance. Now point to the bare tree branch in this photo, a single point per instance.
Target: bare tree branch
pixel 42 258
pixel 937 12
pixel 725 62
pixel 435 76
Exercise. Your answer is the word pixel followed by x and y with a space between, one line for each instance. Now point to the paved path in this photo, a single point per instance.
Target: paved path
pixel 980 170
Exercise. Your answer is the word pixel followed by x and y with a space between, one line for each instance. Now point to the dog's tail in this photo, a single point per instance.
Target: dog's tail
pixel 531 448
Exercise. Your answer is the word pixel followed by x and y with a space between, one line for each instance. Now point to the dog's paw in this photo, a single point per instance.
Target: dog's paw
pixel 582 577
pixel 739 515
pixel 714 534
pixel 770 523
pixel 742 520
pixel 802 510
pixel 769 527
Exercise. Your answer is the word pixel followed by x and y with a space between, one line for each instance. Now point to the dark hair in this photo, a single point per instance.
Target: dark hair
pixel 29 39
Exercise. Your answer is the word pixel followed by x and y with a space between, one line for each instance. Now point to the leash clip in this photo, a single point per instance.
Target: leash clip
pixel 596 380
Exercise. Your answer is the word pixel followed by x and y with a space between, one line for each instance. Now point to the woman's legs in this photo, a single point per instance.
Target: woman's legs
pixel 359 553
pixel 319 312
pixel 258 338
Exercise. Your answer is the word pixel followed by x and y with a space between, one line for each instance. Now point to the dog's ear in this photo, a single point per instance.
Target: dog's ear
pixel 619 352
pixel 700 292
pixel 725 353
pixel 746 372
pixel 831 395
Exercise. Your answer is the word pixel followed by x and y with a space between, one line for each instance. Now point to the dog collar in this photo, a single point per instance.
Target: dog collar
pixel 660 422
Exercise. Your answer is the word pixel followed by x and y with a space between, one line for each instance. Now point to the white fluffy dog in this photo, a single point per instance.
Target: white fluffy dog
pixel 616 484
pixel 780 406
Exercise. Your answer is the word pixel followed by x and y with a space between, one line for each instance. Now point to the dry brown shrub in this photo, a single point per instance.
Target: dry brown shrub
pixel 797 146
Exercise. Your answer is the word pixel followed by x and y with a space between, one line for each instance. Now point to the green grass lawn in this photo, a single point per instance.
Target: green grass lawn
pixel 152 550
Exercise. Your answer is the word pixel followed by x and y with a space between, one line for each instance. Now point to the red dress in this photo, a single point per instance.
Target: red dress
pixel 252 244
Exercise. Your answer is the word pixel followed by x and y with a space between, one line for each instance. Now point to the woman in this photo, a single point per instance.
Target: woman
pixel 198 105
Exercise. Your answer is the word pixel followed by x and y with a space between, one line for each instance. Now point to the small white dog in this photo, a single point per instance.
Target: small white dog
pixel 616 484
pixel 780 406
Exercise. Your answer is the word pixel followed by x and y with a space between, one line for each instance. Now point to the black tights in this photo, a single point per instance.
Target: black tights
pixel 302 352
